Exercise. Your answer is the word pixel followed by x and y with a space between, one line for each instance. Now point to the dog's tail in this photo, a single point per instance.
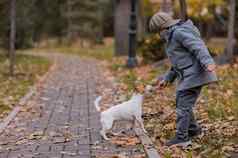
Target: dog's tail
pixel 96 103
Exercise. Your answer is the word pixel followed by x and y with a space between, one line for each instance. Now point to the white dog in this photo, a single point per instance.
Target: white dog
pixel 130 110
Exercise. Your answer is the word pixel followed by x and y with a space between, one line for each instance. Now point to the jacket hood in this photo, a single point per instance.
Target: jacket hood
pixel 188 25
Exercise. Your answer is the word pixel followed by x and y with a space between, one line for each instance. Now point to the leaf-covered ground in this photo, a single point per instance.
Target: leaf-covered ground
pixel 216 110
pixel 28 69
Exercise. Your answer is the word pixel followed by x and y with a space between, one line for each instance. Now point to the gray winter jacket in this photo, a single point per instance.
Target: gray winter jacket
pixel 189 57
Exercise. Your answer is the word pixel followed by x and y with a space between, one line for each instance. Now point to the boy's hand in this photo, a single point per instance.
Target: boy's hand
pixel 162 84
pixel 211 67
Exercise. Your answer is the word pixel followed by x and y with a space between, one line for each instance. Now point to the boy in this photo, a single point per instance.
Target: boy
pixel 192 66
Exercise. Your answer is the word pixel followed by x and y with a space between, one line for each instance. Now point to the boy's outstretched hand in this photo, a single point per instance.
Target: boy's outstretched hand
pixel 211 67
pixel 162 84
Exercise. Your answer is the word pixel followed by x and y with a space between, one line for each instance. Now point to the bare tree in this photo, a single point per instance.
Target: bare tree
pixel 231 32
pixel 183 9
pixel 12 40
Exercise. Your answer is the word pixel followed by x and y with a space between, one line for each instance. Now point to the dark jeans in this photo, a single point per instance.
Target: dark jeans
pixel 185 101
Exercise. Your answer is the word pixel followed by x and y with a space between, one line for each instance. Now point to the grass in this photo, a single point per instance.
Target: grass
pixel 100 52
pixel 27 70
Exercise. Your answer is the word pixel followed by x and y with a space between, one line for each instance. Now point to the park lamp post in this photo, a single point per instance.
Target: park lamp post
pixel 132 61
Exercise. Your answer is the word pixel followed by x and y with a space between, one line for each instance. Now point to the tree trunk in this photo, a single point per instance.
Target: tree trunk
pixel 231 32
pixel 183 10
pixel 121 26
pixel 69 24
pixel 12 35
pixel 140 21
pixel 100 34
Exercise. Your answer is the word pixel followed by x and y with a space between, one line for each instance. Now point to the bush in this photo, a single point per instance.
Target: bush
pixel 152 48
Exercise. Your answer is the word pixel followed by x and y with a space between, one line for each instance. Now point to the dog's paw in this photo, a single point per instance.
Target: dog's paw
pixel 106 138
pixel 145 131
pixel 118 133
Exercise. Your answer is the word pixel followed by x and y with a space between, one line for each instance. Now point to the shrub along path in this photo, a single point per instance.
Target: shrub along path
pixel 61 121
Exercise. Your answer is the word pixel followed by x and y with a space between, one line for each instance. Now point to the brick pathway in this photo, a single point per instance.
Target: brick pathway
pixel 61 122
